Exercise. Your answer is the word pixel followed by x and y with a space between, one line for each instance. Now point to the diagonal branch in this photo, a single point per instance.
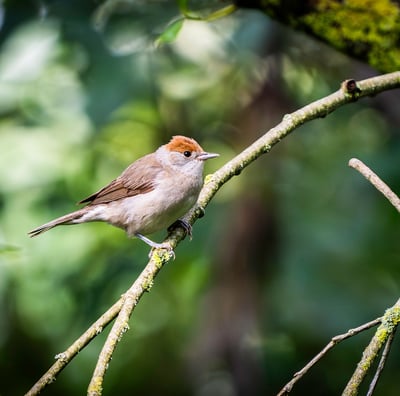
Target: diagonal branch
pixel 350 91
pixel 390 321
pixel 63 358
pixel 334 341
pixel 382 362
pixel 376 182
pixel 129 301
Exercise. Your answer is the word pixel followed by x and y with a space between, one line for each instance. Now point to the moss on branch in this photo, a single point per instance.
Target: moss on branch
pixel 368 30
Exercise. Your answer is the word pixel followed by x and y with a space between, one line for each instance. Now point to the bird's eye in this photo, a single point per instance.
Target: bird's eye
pixel 187 153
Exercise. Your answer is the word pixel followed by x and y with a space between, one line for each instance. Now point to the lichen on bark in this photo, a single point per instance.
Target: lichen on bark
pixel 368 30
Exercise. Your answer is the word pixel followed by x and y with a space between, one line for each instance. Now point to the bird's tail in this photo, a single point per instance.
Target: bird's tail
pixel 70 218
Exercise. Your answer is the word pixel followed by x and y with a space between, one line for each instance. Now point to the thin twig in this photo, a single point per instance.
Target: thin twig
pixel 320 108
pixel 382 362
pixel 376 181
pixel 389 323
pixel 335 340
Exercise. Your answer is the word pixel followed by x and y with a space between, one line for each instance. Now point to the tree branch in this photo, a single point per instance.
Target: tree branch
pixel 334 341
pixel 386 330
pixel 350 91
pixel 129 301
pixel 390 321
pixel 382 362
pixel 353 29
pixel 376 182
pixel 63 358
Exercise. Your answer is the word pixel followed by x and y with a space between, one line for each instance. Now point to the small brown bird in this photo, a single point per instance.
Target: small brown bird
pixel 150 194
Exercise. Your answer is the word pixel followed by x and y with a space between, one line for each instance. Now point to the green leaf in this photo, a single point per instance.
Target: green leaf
pixel 222 12
pixel 171 32
pixel 183 6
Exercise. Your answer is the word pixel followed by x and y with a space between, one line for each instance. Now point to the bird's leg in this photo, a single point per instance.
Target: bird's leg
pixel 184 224
pixel 155 245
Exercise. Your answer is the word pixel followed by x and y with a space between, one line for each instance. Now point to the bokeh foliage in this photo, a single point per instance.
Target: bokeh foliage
pixel 295 250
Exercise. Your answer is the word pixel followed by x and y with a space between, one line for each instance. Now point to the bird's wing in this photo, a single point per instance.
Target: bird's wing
pixel 138 178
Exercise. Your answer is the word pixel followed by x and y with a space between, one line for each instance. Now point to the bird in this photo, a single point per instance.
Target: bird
pixel 151 194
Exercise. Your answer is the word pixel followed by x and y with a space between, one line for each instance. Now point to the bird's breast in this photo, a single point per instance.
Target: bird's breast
pixel 155 210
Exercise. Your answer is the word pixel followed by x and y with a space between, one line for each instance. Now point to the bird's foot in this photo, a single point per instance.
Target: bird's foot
pixel 163 246
pixel 184 224
pixel 154 245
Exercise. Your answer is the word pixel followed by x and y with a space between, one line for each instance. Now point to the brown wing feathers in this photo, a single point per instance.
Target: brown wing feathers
pixel 116 190
pixel 136 179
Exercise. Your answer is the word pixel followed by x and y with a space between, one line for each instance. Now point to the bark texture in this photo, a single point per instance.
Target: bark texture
pixel 368 30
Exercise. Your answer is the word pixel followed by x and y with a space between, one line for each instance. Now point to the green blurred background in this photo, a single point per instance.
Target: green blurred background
pixel 295 250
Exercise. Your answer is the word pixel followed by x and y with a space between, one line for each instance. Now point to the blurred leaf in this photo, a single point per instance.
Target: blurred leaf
pixel 221 13
pixel 171 32
pixel 5 248
pixel 183 5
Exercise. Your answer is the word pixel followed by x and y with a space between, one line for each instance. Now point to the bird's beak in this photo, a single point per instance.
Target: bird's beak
pixel 205 156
